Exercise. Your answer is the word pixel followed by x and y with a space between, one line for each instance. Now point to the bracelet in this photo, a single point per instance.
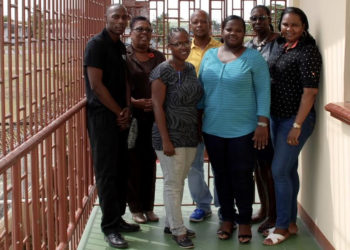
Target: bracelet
pixel 296 125
pixel 262 124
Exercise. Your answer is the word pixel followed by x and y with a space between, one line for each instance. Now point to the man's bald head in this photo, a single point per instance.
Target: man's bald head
pixel 114 7
pixel 200 24
pixel 200 12
pixel 116 20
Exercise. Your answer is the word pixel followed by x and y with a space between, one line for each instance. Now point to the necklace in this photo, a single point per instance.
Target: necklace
pixel 261 44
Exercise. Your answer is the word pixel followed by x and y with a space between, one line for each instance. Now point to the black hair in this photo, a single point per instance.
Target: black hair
pixel 267 10
pixel 230 18
pixel 306 37
pixel 172 32
pixel 138 18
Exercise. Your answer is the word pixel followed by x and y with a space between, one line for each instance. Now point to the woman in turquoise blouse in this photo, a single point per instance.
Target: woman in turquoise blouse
pixel 236 108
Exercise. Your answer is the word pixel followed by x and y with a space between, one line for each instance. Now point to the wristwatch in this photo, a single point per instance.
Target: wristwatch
pixel 296 125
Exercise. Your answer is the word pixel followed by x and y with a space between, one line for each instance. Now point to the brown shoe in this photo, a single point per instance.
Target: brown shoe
pixel 139 218
pixel 151 216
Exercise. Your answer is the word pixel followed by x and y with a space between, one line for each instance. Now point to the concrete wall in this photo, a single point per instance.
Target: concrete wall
pixel 325 161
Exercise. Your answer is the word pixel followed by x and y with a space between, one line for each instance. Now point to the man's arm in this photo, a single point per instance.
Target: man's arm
pixel 102 93
pixel 125 115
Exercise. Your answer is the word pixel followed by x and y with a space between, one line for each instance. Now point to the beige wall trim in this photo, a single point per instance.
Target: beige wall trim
pixel 340 111
pixel 320 237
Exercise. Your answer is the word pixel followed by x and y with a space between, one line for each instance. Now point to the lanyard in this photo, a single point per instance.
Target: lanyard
pixel 179 75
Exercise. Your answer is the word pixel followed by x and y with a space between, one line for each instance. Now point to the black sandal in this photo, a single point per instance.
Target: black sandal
pixel 244 238
pixel 223 235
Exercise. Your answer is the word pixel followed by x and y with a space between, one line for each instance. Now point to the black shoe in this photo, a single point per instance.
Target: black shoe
pixel 189 233
pixel 116 240
pixel 184 242
pixel 127 227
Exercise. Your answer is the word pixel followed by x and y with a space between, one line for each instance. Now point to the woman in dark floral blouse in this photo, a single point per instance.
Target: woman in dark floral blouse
pixel 295 65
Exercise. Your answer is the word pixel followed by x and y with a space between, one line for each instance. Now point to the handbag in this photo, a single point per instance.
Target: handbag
pixel 133 131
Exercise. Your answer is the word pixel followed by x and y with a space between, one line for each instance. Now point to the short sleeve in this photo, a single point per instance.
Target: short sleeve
pixel 310 66
pixel 94 54
pixel 163 72
pixel 192 69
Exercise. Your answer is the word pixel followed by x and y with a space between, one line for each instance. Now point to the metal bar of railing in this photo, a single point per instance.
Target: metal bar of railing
pixel 2 82
pixel 36 237
pixel 16 208
pixel 50 193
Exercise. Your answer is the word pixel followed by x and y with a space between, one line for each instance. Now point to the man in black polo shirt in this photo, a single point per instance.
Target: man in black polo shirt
pixel 108 117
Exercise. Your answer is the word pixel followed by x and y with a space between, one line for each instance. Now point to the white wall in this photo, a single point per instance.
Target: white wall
pixel 325 161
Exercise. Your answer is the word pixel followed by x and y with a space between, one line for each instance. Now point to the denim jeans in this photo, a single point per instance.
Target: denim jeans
pixel 233 163
pixel 175 169
pixel 199 189
pixel 285 166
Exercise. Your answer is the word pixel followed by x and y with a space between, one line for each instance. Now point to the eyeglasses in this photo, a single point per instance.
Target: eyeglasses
pixel 179 44
pixel 142 30
pixel 256 18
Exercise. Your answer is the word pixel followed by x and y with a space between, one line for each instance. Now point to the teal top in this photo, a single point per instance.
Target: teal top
pixel 235 93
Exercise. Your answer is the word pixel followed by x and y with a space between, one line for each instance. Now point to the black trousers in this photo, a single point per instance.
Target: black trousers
pixel 233 161
pixel 142 178
pixel 109 152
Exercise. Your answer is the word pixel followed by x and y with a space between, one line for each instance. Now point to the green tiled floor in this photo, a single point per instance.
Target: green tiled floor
pixel 151 236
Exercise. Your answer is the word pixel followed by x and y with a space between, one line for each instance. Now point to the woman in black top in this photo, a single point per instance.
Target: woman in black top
pixel 295 65
pixel 141 60
pixel 260 18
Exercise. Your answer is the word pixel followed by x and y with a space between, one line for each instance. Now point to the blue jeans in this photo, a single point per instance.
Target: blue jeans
pixel 285 166
pixel 199 189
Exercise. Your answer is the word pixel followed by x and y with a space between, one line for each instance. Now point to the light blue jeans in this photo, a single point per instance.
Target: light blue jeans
pixel 199 189
pixel 175 169
pixel 285 166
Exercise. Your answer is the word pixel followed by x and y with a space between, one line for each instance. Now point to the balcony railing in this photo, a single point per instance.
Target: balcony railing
pixel 48 186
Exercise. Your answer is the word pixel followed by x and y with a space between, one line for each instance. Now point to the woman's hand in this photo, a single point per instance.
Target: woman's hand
pixel 293 136
pixel 168 148
pixel 143 103
pixel 261 137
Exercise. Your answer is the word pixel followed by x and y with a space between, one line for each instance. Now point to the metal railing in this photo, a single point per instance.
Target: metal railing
pixel 48 186
pixel 165 14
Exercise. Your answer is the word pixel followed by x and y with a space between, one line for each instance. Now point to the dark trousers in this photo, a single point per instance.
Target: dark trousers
pixel 142 179
pixel 109 152
pixel 232 160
